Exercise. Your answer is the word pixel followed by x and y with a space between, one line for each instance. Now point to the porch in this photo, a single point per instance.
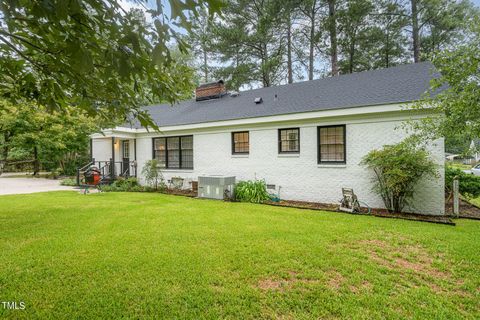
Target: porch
pixel 118 158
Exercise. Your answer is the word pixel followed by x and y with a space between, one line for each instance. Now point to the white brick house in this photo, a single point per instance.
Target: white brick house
pixel 307 138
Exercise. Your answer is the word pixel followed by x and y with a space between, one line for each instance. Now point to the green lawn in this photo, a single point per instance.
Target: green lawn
pixel 459 165
pixel 139 255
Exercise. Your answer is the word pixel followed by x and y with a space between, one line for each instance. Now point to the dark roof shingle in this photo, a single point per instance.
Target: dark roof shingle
pixel 399 84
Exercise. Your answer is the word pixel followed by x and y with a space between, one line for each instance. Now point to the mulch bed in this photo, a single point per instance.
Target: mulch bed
pixel 467 209
pixel 364 211
pixel 181 192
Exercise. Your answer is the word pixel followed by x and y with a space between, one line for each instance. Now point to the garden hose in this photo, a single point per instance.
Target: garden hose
pixel 366 205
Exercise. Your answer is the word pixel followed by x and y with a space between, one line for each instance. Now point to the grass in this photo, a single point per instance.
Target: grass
pixel 475 201
pixel 459 165
pixel 72 182
pixel 139 255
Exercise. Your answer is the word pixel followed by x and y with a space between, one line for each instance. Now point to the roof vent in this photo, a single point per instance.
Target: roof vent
pixel 258 100
pixel 210 90
pixel 234 94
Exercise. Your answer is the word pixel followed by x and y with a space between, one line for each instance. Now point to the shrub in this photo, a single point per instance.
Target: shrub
pixel 54 174
pixel 251 191
pixel 153 175
pixel 69 182
pixel 129 184
pixel 398 168
pixel 70 166
pixel 469 185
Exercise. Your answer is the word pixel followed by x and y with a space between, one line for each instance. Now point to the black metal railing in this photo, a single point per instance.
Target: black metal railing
pixel 109 170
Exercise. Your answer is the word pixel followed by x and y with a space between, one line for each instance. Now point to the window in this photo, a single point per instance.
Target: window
pixel 331 144
pixel 126 149
pixel 289 140
pixel 174 152
pixel 240 142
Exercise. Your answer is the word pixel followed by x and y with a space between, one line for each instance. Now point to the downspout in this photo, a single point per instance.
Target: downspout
pixel 91 149
pixel 135 155
pixel 113 157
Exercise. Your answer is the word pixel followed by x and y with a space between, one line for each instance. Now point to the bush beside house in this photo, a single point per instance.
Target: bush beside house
pixel 398 168
pixel 254 191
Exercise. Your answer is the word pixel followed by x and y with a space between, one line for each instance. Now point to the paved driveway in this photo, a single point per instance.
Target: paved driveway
pixel 14 185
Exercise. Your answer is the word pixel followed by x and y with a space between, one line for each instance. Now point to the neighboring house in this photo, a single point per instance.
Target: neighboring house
pixel 306 138
pixel 474 150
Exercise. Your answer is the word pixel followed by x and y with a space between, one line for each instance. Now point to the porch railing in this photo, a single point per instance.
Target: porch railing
pixel 109 170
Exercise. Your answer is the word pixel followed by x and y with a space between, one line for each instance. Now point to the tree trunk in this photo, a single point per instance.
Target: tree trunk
pixel 5 150
pixel 415 31
pixel 3 161
pixel 332 26
pixel 289 50
pixel 36 163
pixel 387 51
pixel 351 55
pixel 312 46
pixel 265 69
pixel 205 65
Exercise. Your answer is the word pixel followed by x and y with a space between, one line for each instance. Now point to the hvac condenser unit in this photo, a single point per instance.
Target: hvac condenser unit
pixel 214 187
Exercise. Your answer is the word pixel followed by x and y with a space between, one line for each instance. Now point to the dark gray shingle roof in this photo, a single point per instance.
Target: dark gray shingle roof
pixel 393 85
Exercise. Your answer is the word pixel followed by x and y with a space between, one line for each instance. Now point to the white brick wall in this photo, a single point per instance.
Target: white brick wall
pixel 299 176
pixel 102 148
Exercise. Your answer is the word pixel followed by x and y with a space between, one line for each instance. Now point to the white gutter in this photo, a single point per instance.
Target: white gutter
pixel 124 132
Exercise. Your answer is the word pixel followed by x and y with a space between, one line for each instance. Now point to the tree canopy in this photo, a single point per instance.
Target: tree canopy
pixel 458 102
pixel 52 139
pixel 92 54
pixel 269 42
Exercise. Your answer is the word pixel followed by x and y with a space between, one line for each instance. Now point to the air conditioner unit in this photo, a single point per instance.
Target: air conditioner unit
pixel 214 187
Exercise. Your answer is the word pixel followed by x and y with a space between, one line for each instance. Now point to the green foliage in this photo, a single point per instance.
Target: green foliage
pixel 440 31
pixel 93 54
pixel 469 184
pixel 54 174
pixel 53 139
pixel 458 144
pixel 123 185
pixel 398 168
pixel 249 41
pixel 354 19
pixel 458 104
pixel 153 175
pixel 251 191
pixel 267 42
pixel 71 182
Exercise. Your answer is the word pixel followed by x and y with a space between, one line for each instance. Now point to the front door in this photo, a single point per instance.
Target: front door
pixel 126 158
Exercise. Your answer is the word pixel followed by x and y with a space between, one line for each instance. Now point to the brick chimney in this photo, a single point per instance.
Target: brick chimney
pixel 210 90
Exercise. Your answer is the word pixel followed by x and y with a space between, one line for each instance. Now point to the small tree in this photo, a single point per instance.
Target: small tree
pixel 398 168
pixel 153 175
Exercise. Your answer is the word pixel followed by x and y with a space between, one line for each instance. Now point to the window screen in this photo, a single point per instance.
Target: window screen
pixel 332 144
pixel 240 142
pixel 289 140
pixel 174 152
pixel 126 149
